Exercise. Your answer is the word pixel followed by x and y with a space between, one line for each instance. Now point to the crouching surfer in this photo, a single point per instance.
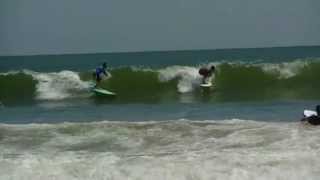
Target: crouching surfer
pixel 312 117
pixel 207 74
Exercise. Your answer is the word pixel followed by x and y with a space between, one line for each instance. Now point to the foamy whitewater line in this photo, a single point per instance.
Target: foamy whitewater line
pixel 58 85
pixel 285 66
pixel 183 150
pixel 10 73
pixel 149 122
pixel 285 70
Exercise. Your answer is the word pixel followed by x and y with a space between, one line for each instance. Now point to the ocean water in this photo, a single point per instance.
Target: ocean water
pixel 161 125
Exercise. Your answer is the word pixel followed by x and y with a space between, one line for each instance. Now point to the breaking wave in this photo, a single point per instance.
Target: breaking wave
pixel 181 149
pixel 232 82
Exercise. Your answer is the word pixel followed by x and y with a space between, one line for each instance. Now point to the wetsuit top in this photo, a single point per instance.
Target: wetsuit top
pixel 100 70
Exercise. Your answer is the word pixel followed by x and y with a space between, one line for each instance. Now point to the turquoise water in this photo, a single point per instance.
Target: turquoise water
pixel 161 124
pixel 83 62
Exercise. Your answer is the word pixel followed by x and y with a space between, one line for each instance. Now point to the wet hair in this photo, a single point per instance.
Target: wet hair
pixel 318 109
pixel 212 68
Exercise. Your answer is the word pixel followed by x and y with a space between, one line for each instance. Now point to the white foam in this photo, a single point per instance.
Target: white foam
pixel 10 73
pixel 188 77
pixel 182 150
pixel 58 85
pixel 286 69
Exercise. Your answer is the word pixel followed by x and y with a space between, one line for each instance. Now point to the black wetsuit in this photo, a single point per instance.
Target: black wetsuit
pixel 314 120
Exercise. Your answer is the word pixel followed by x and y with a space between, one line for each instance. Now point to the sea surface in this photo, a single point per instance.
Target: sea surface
pixel 161 125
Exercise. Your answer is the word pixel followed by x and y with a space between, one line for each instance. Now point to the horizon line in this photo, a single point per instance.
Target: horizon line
pixel 158 51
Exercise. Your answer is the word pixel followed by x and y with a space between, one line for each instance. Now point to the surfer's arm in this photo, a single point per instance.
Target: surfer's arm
pixel 107 74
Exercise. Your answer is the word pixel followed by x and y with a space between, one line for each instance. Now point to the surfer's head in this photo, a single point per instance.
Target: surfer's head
pixel 212 68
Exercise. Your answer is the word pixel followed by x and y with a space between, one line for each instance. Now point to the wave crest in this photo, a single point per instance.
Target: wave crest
pixel 233 82
pixel 60 85
pixel 188 77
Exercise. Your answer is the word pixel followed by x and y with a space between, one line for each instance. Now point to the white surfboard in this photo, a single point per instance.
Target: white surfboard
pixel 206 85
pixel 103 92
pixel 308 113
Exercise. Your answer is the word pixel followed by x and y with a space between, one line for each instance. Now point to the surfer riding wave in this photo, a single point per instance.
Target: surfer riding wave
pixel 100 74
pixel 207 74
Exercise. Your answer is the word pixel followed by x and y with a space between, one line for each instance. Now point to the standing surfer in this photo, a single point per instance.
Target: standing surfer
pixel 101 73
pixel 207 74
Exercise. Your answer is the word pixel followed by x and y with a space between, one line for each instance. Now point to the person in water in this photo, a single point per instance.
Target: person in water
pixel 314 119
pixel 207 74
pixel 100 73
